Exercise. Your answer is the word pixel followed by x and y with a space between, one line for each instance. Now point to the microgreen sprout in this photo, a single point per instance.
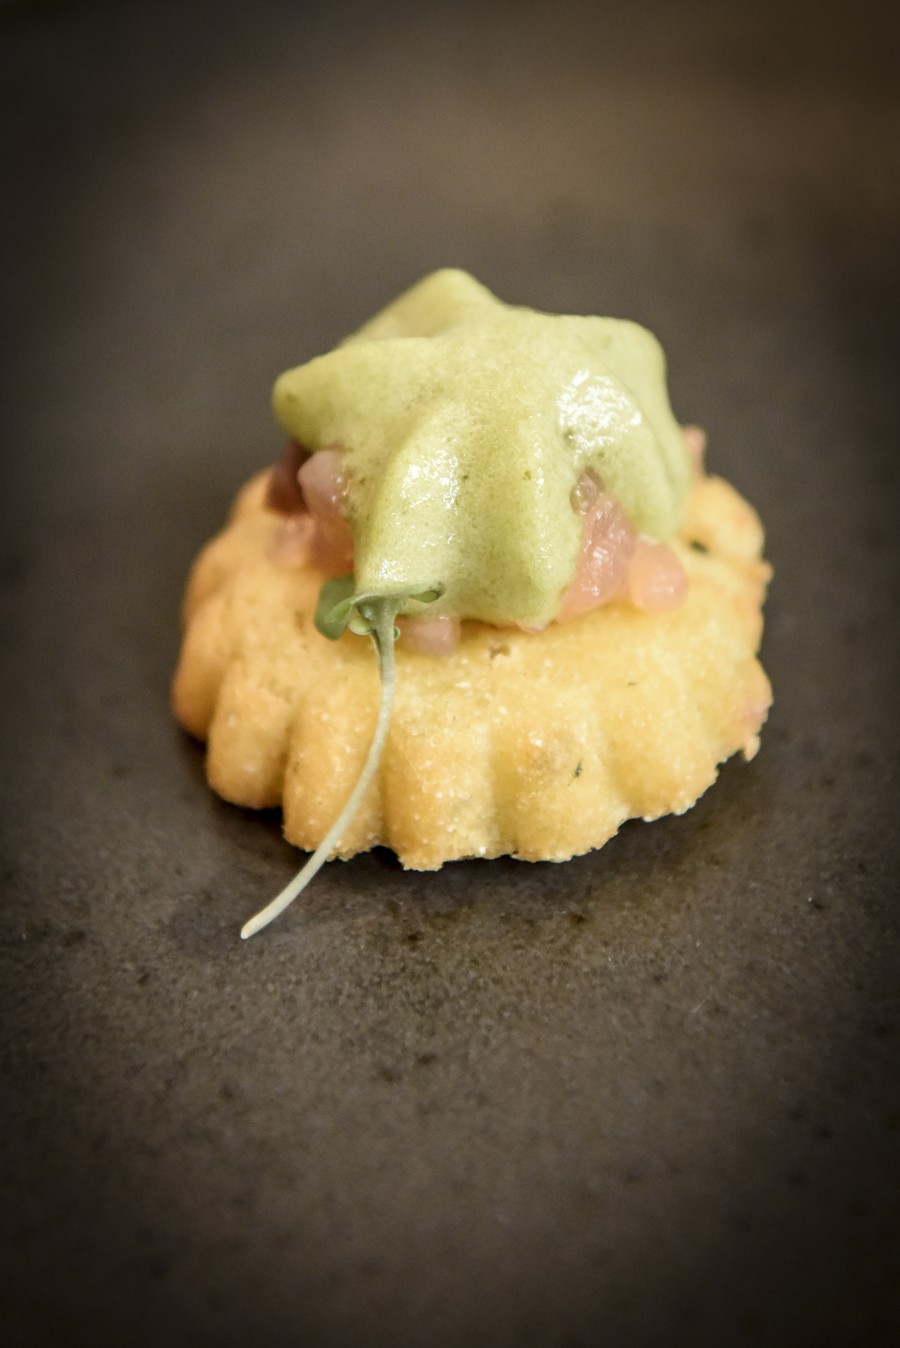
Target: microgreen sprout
pixel 373 615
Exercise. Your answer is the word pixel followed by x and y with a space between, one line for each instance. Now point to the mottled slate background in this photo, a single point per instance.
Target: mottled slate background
pixel 646 1098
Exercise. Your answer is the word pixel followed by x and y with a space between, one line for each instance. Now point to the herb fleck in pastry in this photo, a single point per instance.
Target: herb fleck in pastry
pixel 565 608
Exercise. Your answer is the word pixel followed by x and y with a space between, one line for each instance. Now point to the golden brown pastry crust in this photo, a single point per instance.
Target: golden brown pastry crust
pixel 535 745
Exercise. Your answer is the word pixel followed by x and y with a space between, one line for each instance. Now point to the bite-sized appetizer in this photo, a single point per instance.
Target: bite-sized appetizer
pixel 564 606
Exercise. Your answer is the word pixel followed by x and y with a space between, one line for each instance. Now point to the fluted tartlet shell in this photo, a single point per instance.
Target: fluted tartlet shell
pixel 538 746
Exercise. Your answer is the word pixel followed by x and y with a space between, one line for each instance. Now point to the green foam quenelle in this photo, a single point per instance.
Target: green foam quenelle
pixel 466 423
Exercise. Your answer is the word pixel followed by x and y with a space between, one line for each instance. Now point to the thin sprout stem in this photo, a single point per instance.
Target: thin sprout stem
pixel 383 636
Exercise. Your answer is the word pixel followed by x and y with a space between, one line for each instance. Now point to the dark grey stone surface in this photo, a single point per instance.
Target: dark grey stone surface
pixel 648 1097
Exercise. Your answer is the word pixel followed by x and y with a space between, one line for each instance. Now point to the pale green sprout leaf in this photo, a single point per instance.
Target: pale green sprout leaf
pixel 370 615
pixel 335 606
pixel 339 607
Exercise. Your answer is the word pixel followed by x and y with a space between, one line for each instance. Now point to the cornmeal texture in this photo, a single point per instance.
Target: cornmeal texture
pixel 534 745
